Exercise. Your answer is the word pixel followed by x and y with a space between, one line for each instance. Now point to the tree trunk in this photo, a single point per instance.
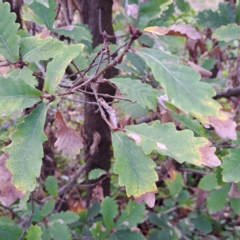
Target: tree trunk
pixel 93 120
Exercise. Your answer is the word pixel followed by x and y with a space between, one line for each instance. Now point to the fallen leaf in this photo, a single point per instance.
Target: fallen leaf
pixel 203 72
pixel 68 140
pixel 224 126
pixel 9 193
pixel 175 30
pixel 208 157
pixel 234 192
pixel 148 198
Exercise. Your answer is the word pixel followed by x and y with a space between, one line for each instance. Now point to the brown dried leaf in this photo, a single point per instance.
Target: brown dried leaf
pixel 201 196
pixel 45 33
pixel 97 194
pixel 132 10
pixel 175 30
pixel 234 192
pixel 148 198
pixel 208 157
pixel 68 140
pixel 224 126
pixel 96 141
pixel 203 72
pixel 9 193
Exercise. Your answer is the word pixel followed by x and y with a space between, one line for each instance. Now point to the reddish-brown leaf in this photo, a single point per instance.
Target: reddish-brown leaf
pixel 175 30
pixel 234 192
pixel 208 157
pixel 224 126
pixel 9 193
pixel 68 140
pixel 148 198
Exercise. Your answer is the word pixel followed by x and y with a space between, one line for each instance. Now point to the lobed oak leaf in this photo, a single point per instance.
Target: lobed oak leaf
pixel 68 140
pixel 9 193
pixel 182 29
pixel 148 198
pixel 208 157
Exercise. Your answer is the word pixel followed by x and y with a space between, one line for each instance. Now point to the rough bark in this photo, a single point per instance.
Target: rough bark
pixel 93 120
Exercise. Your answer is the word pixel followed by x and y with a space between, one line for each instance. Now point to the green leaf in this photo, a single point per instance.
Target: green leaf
pixel 193 125
pixel 4 220
pixel 168 141
pixel 159 221
pixel 231 166
pixel 75 32
pixel 235 205
pixel 138 92
pixel 132 214
pixel 237 20
pixel 66 217
pixel 34 48
pixel 56 68
pixel 216 19
pixel 10 232
pixel 174 183
pixel 59 231
pixel 9 40
pixel 109 210
pixel 44 2
pixel 34 233
pixel 136 62
pixel 217 198
pixel 228 33
pixel 46 14
pixel 24 74
pixel 135 169
pixel 183 5
pixel 16 94
pixel 126 234
pixel 163 234
pixel 133 109
pixel 181 83
pixel 94 210
pixel 96 173
pixel 208 63
pixel 28 1
pixel 150 10
pixel 26 151
pixel 208 182
pixel 29 15
pixel 48 208
pixel 45 233
pixel 202 223
pixel 52 186
pixel 98 231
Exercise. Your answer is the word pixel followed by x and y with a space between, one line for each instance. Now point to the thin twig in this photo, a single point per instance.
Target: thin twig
pixel 73 63
pixel 106 95
pixel 79 101
pixel 100 107
pixel 135 35
pixel 100 61
pixel 29 220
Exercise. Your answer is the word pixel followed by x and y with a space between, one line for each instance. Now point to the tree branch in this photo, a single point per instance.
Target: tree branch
pixel 229 93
